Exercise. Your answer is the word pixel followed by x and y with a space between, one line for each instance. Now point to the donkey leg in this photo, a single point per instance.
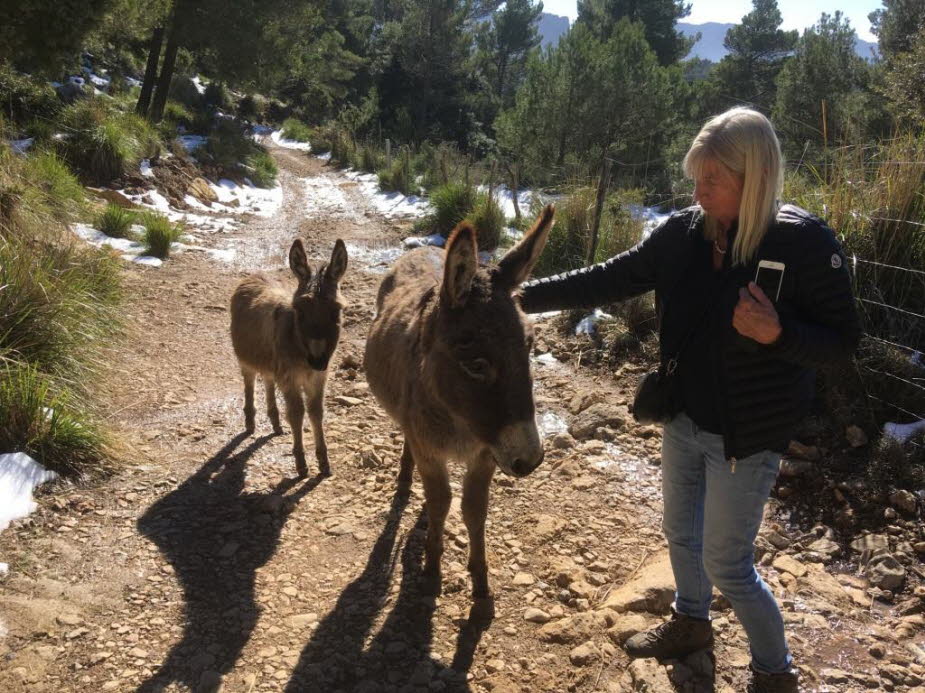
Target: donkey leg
pixel 476 486
pixel 437 499
pixel 295 413
pixel 249 410
pixel 407 467
pixel 272 411
pixel 316 416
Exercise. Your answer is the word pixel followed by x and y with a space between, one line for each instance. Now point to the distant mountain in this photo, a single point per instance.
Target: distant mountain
pixel 710 45
pixel 551 28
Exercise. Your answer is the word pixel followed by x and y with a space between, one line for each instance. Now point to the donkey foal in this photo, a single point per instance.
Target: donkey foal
pixel 448 357
pixel 289 340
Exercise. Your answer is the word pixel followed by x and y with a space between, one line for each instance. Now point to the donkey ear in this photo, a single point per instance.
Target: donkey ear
pixel 461 265
pixel 298 262
pixel 338 264
pixel 516 265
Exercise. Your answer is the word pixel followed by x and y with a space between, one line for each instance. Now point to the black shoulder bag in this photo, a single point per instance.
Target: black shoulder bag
pixel 658 397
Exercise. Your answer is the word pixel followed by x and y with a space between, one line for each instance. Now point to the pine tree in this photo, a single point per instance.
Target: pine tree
pixel 657 16
pixel 757 49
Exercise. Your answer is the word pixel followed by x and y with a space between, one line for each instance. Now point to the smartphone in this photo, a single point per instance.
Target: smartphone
pixel 769 277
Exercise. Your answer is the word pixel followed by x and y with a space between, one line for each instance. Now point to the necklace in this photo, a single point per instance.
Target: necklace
pixel 721 251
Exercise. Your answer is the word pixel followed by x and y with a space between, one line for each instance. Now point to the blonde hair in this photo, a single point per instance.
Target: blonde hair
pixel 743 141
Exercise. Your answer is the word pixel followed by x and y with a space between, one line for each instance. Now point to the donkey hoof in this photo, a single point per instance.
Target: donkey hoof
pixel 301 467
pixel 324 469
pixel 249 427
pixel 431 583
pixel 277 430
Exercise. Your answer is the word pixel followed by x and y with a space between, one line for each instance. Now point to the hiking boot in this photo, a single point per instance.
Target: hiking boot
pixel 788 682
pixel 673 639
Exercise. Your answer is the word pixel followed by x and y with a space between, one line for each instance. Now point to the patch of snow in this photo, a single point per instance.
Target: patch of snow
pixel 324 197
pixel 220 254
pixel 97 80
pixel 277 137
pixel 132 82
pixel 79 81
pixel 261 201
pixel 324 157
pixel 19 475
pixel 916 358
pixel 903 432
pixel 22 146
pixel 192 142
pixel 505 199
pixel 389 204
pixel 547 359
pixel 4 571
pixel 651 218
pixel 588 324
pixel 376 259
pixel 130 250
pixel 434 239
pixel 200 87
pixel 511 233
pixel 145 167
pixel 549 424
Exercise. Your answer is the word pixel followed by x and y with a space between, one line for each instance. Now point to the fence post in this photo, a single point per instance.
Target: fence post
pixel 388 153
pixel 601 193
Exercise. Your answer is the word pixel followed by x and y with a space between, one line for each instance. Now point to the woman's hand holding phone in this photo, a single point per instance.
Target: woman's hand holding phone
pixel 755 316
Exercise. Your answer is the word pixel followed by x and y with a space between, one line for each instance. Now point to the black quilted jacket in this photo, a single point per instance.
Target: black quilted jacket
pixel 764 389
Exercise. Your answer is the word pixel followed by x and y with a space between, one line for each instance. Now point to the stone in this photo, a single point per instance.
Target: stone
pixel 69 619
pixel 583 654
pixel 796 468
pixel 583 400
pixel 347 401
pixel 562 441
pixel 679 673
pixel 647 676
pixel 523 579
pixel 855 436
pixel 870 545
pixel 652 589
pixel 787 564
pixel 200 189
pixel 818 582
pixel 804 452
pixel 835 676
pixel 599 415
pixel 777 540
pixel 826 547
pixel 545 527
pixel 534 615
pixel 885 572
pixel 904 501
pixel 626 626
pixel 583 483
pixel 571 629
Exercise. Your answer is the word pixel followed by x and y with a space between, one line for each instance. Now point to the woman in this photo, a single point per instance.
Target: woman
pixel 744 374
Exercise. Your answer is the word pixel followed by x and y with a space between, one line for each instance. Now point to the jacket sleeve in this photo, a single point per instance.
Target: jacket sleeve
pixel 825 327
pixel 623 276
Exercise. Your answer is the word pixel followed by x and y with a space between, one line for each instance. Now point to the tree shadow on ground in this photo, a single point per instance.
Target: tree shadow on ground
pixel 216 536
pixel 343 656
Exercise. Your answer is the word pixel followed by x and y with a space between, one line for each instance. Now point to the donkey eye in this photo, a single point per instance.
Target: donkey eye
pixel 477 369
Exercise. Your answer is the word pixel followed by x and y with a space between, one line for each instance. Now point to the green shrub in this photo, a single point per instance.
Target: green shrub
pixel 263 169
pixel 253 107
pixel 159 233
pixel 452 203
pixel 116 221
pixel 217 95
pixel 61 192
pixel 102 144
pixel 41 422
pixel 58 309
pixel 488 220
pixel 399 176
pixel 228 146
pixel 23 98
pixel 294 129
pixel 183 90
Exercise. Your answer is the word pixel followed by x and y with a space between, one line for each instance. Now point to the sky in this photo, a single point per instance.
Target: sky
pixel 797 14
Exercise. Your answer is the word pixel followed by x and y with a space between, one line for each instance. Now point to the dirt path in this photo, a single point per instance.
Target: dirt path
pixel 205 564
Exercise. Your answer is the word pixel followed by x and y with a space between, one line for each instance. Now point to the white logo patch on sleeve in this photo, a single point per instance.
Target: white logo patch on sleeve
pixel 836 260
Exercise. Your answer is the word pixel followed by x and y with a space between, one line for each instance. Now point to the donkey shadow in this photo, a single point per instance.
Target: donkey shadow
pixel 341 655
pixel 215 536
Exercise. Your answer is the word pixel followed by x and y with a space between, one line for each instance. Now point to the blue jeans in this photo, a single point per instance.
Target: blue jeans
pixel 712 514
